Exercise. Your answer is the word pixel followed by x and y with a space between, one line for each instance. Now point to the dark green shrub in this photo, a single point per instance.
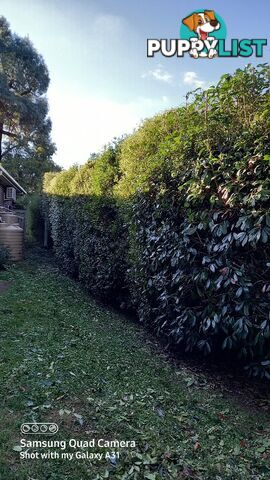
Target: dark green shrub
pixel 4 257
pixel 62 224
pixel 89 243
pixel 204 283
pixel 34 219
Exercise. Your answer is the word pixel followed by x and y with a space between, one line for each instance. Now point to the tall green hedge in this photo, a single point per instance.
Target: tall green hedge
pixel 174 221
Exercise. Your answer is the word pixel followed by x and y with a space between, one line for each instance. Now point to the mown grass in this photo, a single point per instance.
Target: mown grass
pixel 66 359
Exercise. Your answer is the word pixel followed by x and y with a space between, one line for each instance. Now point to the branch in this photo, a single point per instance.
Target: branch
pixel 26 92
pixel 8 150
pixel 23 93
pixel 8 134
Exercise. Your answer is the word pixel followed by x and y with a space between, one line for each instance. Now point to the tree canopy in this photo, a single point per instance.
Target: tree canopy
pixel 24 123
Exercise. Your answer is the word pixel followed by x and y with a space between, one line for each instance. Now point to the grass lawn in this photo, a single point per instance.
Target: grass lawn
pixel 68 360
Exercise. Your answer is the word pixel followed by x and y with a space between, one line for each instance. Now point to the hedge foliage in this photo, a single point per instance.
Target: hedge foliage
pixel 4 257
pixel 34 219
pixel 174 221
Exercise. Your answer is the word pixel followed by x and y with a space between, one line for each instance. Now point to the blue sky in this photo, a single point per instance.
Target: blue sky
pixel 102 83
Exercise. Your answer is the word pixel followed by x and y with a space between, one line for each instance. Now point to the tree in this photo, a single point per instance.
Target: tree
pixel 24 79
pixel 28 165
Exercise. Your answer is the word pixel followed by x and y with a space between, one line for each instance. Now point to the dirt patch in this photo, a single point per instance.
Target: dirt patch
pixel 4 286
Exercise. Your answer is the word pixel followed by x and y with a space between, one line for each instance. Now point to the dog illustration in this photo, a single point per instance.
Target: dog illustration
pixel 202 24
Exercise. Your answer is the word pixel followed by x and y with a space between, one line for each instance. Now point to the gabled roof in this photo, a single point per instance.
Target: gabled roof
pixel 7 180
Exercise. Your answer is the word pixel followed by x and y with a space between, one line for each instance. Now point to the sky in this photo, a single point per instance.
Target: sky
pixel 102 83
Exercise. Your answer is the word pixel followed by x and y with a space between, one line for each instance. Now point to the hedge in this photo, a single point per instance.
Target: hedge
pixel 4 257
pixel 174 221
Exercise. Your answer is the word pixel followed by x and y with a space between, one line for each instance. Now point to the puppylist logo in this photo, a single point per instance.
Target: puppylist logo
pixel 203 35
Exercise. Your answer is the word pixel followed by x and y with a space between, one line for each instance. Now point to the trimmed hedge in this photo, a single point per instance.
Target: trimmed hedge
pixel 89 244
pixel 174 221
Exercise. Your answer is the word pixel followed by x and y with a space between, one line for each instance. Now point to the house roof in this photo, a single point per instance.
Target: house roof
pixel 7 180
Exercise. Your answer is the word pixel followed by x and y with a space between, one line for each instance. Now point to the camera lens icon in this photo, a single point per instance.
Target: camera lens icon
pixel 43 428
pixel 39 428
pixel 53 428
pixel 25 428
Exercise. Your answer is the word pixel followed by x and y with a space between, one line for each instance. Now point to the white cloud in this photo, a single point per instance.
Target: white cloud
pixel 82 125
pixel 160 74
pixel 191 79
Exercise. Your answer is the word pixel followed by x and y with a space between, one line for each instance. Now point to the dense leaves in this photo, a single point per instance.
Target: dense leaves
pixel 175 221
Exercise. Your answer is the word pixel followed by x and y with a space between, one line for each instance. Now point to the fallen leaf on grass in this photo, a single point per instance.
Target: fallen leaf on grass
pixel 160 411
pixel 17 448
pixel 79 418
pixel 150 476
pixel 63 411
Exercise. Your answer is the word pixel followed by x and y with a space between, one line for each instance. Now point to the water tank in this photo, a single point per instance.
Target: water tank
pixel 9 218
pixel 11 237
